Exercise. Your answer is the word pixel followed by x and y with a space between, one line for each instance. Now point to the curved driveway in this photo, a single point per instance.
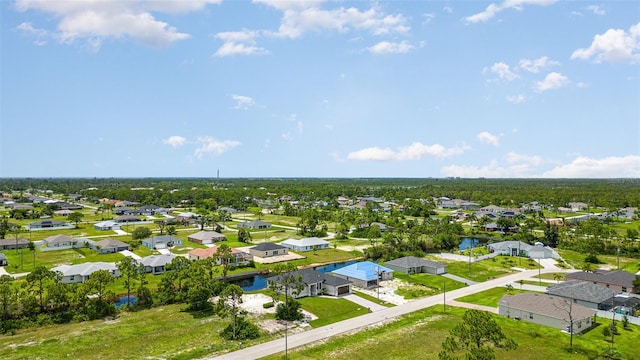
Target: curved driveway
pixel 360 322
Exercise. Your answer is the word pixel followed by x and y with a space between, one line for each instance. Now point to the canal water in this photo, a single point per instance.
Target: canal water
pixel 258 282
pixel 467 243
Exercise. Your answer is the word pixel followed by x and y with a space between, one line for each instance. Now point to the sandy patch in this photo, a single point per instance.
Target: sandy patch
pixel 388 291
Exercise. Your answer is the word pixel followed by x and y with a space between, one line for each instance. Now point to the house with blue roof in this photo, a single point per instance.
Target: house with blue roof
pixel 364 274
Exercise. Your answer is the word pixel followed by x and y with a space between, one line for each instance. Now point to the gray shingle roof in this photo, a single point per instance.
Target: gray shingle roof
pixel 412 261
pixel 267 247
pixel 580 290
pixel 613 277
pixel 311 276
pixel 548 305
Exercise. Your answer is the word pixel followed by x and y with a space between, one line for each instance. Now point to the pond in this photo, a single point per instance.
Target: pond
pixel 468 243
pixel 258 282
pixel 123 301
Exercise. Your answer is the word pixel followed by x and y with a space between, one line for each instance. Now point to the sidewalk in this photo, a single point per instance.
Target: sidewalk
pixel 459 279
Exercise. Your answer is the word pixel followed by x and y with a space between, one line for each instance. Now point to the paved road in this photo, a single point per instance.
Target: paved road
pixel 313 335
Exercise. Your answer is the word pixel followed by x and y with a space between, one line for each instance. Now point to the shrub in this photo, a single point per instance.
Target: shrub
pixel 244 330
pixel 289 311
pixel 268 305
pixel 592 259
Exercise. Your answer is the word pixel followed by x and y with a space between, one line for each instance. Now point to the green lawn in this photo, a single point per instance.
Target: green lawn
pixel 576 259
pixel 489 297
pixel 47 258
pixel 480 271
pixel 330 310
pixel 165 332
pixel 422 285
pixel 372 298
pixel 426 329
pixel 89 255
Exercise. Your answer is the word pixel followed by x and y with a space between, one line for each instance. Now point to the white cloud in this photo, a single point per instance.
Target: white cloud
pixel 516 99
pixel 300 127
pixel 596 10
pixel 386 47
pixel 615 45
pixel 536 65
pixel 448 9
pixel 209 145
pixel 40 35
pixel 608 167
pixel 231 48
pixel 94 20
pixel 487 138
pixel 287 136
pixel 243 102
pixel 415 151
pixel 502 70
pixel 428 17
pixel 239 43
pixel 494 9
pixel 515 158
pixel 553 80
pixel 175 141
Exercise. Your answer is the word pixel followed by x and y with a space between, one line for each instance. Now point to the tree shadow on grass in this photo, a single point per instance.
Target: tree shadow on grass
pixel 199 314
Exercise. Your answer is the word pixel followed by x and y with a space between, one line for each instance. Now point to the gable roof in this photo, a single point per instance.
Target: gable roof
pixel 13 242
pixel 84 269
pixel 157 260
pixel 267 247
pixel 581 290
pixel 312 241
pixel 543 304
pixel 511 244
pixel 613 277
pixel 163 239
pixel 412 261
pixel 364 270
pixel 312 276
pixel 111 243
pixel 58 239
pixel 254 223
pixel 206 235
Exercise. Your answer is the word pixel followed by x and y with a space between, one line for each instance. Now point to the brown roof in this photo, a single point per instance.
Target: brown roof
pixel 543 304
pixel 111 243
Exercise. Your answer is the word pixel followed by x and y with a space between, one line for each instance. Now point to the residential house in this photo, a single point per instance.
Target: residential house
pixel 3 260
pixel 8 244
pixel 148 210
pixel 81 272
pixel 519 248
pixel 264 250
pixel 492 209
pixel 414 265
pixel 547 310
pixel 109 245
pixel 155 264
pixel 127 219
pixel 206 237
pixel 107 225
pixel 60 241
pixel 161 242
pixel 364 274
pixel 316 283
pixel 578 206
pixel 238 257
pixel 228 210
pixel 584 293
pixel 617 280
pixel 49 224
pixel 252 225
pixel 306 244
pixel 62 212
pixel 124 210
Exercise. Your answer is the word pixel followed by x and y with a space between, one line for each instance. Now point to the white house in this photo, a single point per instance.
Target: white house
pixel 306 244
pixel 81 272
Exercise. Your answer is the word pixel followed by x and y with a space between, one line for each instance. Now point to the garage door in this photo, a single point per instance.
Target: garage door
pixel 343 290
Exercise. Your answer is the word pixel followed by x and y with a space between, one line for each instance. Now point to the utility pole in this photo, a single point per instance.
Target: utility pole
pixel 444 295
pixel 286 345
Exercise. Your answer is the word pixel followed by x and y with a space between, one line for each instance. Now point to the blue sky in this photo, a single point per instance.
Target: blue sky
pixel 512 89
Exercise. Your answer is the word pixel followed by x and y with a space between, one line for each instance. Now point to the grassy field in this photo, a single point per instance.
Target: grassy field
pixel 428 328
pixel 489 297
pixel 480 271
pixel 422 285
pixel 576 259
pixel 372 299
pixel 330 310
pixel 165 332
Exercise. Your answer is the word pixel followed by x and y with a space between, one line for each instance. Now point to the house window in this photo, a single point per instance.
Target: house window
pixel 607 285
pixel 71 278
pixel 530 315
pixel 624 289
